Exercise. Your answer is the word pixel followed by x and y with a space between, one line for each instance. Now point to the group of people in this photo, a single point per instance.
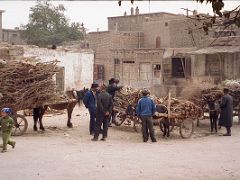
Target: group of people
pixel 225 109
pixel 99 102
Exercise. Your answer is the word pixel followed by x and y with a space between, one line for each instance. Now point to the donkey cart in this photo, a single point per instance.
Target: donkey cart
pixel 162 118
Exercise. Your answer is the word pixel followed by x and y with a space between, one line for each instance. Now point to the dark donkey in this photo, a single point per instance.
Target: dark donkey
pixel 76 96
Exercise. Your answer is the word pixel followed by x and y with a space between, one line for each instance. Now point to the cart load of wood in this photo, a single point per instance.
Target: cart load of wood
pixel 179 108
pixel 25 84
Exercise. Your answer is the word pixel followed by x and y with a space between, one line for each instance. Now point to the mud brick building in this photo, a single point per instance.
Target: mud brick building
pixel 154 50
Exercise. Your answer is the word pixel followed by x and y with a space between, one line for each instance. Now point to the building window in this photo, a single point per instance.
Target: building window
pixel 157 70
pixel 14 35
pixel 145 72
pixel 116 61
pixel 129 62
pixel 166 24
pixel 158 42
pixel 178 65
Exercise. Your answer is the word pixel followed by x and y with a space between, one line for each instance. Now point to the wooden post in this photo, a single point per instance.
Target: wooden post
pixel 169 104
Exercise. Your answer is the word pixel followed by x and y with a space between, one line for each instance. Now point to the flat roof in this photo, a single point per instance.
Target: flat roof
pixel 145 14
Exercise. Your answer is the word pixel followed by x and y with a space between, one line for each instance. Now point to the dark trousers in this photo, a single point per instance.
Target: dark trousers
pixel 213 121
pixel 228 128
pixel 92 123
pixel 101 120
pixel 113 117
pixel 147 128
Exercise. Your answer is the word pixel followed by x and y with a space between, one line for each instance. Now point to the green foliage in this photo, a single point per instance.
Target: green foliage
pixel 48 25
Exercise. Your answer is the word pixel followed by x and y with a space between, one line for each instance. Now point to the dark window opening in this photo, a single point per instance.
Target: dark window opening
pixel 116 61
pixel 157 67
pixel 158 42
pixel 129 62
pixel 157 70
pixel 178 67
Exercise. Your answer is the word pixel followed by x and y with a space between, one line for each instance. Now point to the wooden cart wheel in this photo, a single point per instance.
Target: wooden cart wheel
pixel 21 125
pixel 119 119
pixel 137 124
pixel 186 128
pixel 161 124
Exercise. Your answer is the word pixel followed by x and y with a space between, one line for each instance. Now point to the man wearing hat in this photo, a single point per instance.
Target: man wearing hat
pixel 111 89
pixel 6 123
pixel 90 102
pixel 103 112
pixel 226 113
pixel 146 109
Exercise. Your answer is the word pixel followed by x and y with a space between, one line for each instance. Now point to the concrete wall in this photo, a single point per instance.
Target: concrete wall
pixel 78 65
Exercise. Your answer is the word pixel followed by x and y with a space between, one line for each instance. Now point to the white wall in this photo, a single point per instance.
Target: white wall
pixel 78 65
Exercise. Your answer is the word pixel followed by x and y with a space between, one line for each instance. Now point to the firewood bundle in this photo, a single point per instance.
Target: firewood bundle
pixel 234 91
pixel 181 109
pixel 26 85
pixel 125 97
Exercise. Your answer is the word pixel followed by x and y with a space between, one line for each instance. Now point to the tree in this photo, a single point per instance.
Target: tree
pixel 48 25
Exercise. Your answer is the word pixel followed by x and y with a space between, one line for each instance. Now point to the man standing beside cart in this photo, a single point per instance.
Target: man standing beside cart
pixel 146 109
pixel 90 102
pixel 226 114
pixel 103 112
pixel 111 89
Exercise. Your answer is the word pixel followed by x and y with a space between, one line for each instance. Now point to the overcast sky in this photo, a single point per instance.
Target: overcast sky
pixel 94 13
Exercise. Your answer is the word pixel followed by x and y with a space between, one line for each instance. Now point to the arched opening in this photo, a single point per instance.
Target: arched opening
pixel 158 42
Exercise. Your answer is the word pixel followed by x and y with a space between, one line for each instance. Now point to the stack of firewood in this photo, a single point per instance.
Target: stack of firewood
pixel 179 108
pixel 26 85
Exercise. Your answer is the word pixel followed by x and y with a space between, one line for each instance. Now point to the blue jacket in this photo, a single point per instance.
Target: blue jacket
pixel 89 101
pixel 146 107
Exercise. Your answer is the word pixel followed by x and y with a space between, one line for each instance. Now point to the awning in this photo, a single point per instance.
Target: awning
pixel 216 50
pixel 170 52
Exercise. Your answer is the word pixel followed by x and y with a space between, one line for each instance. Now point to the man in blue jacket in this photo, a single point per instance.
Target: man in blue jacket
pixel 90 102
pixel 146 109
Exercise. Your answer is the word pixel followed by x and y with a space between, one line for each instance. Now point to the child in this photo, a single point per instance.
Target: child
pixel 6 123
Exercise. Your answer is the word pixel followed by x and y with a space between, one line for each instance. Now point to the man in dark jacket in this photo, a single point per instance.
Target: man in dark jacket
pixel 104 109
pixel 146 109
pixel 226 114
pixel 111 89
pixel 90 102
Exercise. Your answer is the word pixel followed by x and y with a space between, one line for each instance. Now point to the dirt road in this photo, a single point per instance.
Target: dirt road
pixel 68 154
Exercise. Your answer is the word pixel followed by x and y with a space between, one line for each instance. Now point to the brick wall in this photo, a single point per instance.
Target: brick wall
pixel 135 22
pixel 103 42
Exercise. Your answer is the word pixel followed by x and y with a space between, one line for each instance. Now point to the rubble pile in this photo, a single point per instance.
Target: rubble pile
pixel 25 85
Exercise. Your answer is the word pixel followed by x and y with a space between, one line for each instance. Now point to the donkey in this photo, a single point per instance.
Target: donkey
pixel 77 97
pixel 165 122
